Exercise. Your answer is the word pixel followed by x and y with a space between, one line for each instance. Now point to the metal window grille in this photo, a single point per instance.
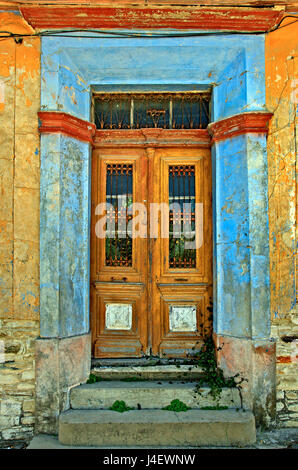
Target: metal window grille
pixel 181 216
pixel 187 110
pixel 119 195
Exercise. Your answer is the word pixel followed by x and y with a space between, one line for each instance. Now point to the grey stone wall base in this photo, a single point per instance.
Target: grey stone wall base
pixel 61 363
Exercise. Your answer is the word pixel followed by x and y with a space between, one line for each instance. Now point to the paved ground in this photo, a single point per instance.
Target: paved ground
pixel 277 438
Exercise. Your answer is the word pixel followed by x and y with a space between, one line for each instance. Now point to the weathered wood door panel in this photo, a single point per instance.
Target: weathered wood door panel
pixel 150 294
pixel 181 278
pixel 118 262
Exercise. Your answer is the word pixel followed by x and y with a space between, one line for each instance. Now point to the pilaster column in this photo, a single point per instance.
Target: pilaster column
pixel 63 351
pixel 241 257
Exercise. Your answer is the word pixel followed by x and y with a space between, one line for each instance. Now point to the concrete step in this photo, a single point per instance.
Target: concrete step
pixel 148 395
pixel 156 427
pixel 161 372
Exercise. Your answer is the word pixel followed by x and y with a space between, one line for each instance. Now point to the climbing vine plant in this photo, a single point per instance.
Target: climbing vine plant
pixel 212 374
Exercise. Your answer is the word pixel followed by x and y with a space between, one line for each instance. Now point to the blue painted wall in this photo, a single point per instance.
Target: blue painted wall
pixel 241 243
pixel 230 92
pixel 49 234
pixel 70 66
pixel 64 240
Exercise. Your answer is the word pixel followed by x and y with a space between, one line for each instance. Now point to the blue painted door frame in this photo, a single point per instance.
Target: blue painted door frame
pixel 233 65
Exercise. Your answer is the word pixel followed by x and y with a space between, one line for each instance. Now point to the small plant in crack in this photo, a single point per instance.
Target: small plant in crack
pixel 94 378
pixel 120 406
pixel 177 405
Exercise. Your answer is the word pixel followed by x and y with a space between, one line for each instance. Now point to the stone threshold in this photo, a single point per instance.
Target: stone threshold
pixel 142 361
pixel 146 368
pixel 161 372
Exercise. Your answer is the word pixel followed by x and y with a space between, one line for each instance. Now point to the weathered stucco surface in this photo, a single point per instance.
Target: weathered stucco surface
pixel 64 236
pixel 235 65
pixel 60 364
pixel 282 100
pixel 19 226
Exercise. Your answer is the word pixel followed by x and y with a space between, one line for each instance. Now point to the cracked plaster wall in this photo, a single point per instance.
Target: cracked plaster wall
pixel 19 227
pixel 282 100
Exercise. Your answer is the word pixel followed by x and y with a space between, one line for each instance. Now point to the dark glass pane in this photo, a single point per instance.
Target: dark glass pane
pixel 119 184
pixel 181 216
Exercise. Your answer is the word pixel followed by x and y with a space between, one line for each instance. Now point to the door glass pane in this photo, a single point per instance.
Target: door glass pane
pixel 182 216
pixel 119 184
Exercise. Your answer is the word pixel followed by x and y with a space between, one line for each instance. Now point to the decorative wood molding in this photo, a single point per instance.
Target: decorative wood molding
pixel 152 138
pixel 159 17
pixel 54 122
pixel 255 122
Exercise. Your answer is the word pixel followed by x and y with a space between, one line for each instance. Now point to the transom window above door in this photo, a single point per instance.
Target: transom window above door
pixel 183 110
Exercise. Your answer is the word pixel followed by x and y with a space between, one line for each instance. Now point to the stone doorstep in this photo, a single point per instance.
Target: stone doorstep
pixel 156 427
pixel 163 372
pixel 141 361
pixel 149 395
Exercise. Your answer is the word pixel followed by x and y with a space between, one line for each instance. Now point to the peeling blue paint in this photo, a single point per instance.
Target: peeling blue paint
pixel 64 239
pixel 241 241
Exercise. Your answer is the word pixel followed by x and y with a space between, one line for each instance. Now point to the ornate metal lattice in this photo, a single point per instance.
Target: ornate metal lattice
pixel 119 190
pixel 151 110
pixel 181 216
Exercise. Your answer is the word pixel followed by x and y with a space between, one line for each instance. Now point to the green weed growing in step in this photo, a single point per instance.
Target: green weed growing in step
pixel 94 378
pixel 120 406
pixel 177 405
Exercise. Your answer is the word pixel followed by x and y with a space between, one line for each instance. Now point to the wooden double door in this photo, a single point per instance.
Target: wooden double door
pixel 151 264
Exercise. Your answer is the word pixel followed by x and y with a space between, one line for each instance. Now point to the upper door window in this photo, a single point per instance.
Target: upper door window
pixel 187 110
